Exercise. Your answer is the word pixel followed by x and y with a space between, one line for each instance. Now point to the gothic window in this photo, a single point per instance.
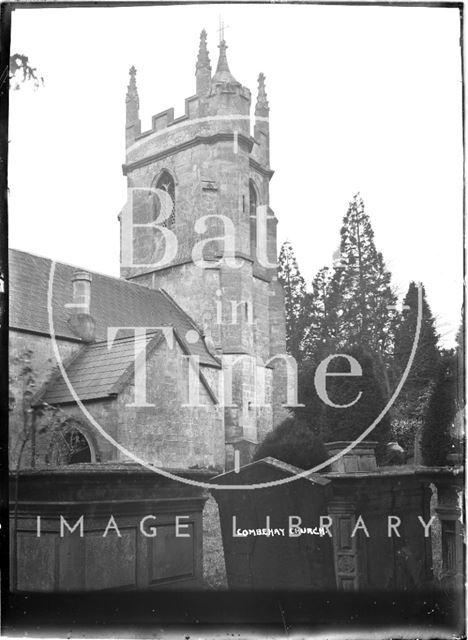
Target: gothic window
pixel 165 183
pixel 253 203
pixel 69 446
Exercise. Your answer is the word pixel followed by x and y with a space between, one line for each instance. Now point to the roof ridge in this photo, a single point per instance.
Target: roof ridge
pixel 75 266
pixel 119 384
pixel 153 307
pixel 177 305
pixel 148 334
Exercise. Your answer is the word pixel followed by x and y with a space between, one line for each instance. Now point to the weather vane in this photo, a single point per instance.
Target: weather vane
pixel 221 29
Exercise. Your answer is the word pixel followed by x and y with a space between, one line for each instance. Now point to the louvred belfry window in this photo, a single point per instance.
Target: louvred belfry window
pixel 165 183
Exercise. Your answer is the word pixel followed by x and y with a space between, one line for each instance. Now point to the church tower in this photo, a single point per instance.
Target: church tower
pixel 204 179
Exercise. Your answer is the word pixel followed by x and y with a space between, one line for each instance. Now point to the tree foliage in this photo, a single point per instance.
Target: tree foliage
pixel 411 405
pixel 351 309
pixel 437 438
pixel 364 395
pixel 361 283
pixel 424 368
pixel 321 310
pixel 293 441
pixel 295 300
pixel 21 71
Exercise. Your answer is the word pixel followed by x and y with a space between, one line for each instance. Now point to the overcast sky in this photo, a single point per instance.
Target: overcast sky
pixel 361 99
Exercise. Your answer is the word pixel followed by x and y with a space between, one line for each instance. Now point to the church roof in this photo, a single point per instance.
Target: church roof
pixel 96 371
pixel 114 302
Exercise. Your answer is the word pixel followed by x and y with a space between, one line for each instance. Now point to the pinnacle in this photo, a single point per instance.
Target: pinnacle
pixel 203 59
pixel 262 107
pixel 132 92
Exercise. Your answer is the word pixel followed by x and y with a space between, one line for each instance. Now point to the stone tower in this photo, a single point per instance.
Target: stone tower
pixel 216 171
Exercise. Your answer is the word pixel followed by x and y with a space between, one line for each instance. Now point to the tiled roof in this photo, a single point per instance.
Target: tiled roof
pixel 97 372
pixel 114 302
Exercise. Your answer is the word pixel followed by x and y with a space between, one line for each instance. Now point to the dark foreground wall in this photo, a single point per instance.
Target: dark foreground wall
pixel 279 561
pixel 133 529
pixel 376 539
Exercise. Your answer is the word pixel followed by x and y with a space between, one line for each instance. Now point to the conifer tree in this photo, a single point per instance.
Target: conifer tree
pixel 425 365
pixel 321 329
pixel 411 405
pixel 362 287
pixel 293 441
pixel 347 423
pixel 295 294
pixel 319 342
pixel 437 435
pixel 424 368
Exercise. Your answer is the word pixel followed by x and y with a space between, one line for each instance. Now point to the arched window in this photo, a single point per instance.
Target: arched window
pixel 253 203
pixel 165 183
pixel 69 446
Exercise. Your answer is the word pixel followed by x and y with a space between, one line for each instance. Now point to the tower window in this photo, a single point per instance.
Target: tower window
pixel 161 203
pixel 253 203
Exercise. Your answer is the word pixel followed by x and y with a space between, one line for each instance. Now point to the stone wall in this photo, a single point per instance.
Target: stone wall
pixel 213 158
pixel 170 434
pixel 166 434
pixel 31 358
pixel 139 530
pixel 377 529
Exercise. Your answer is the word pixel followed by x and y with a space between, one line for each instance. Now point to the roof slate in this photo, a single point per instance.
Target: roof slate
pixel 114 302
pixel 97 371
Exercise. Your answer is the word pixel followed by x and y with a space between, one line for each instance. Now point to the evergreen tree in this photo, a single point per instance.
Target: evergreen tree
pixel 424 368
pixel 319 342
pixel 293 441
pixel 410 407
pixel 362 289
pixel 295 294
pixel 437 437
pixel 349 307
pixel 346 423
pixel 320 307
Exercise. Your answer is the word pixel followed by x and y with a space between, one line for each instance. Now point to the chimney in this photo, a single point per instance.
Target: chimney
pixel 80 320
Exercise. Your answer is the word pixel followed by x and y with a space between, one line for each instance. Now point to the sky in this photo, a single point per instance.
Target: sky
pixel 361 99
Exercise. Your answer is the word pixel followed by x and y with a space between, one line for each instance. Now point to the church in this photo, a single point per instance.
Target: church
pixel 179 366
pixel 182 360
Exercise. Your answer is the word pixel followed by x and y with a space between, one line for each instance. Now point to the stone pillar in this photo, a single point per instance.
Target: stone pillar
pixel 449 512
pixel 349 551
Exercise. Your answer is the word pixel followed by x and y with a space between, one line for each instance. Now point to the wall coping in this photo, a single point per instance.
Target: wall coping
pixel 290 469
pixel 112 468
pixel 395 471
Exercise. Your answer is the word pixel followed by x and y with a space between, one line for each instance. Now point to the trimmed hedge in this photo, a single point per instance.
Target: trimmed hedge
pixel 293 441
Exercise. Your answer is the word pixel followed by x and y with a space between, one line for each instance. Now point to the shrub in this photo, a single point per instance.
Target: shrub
pixel 437 437
pixel 293 441
pixel 346 423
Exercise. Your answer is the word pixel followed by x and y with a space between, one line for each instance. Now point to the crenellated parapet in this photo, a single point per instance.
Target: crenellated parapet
pixel 221 104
